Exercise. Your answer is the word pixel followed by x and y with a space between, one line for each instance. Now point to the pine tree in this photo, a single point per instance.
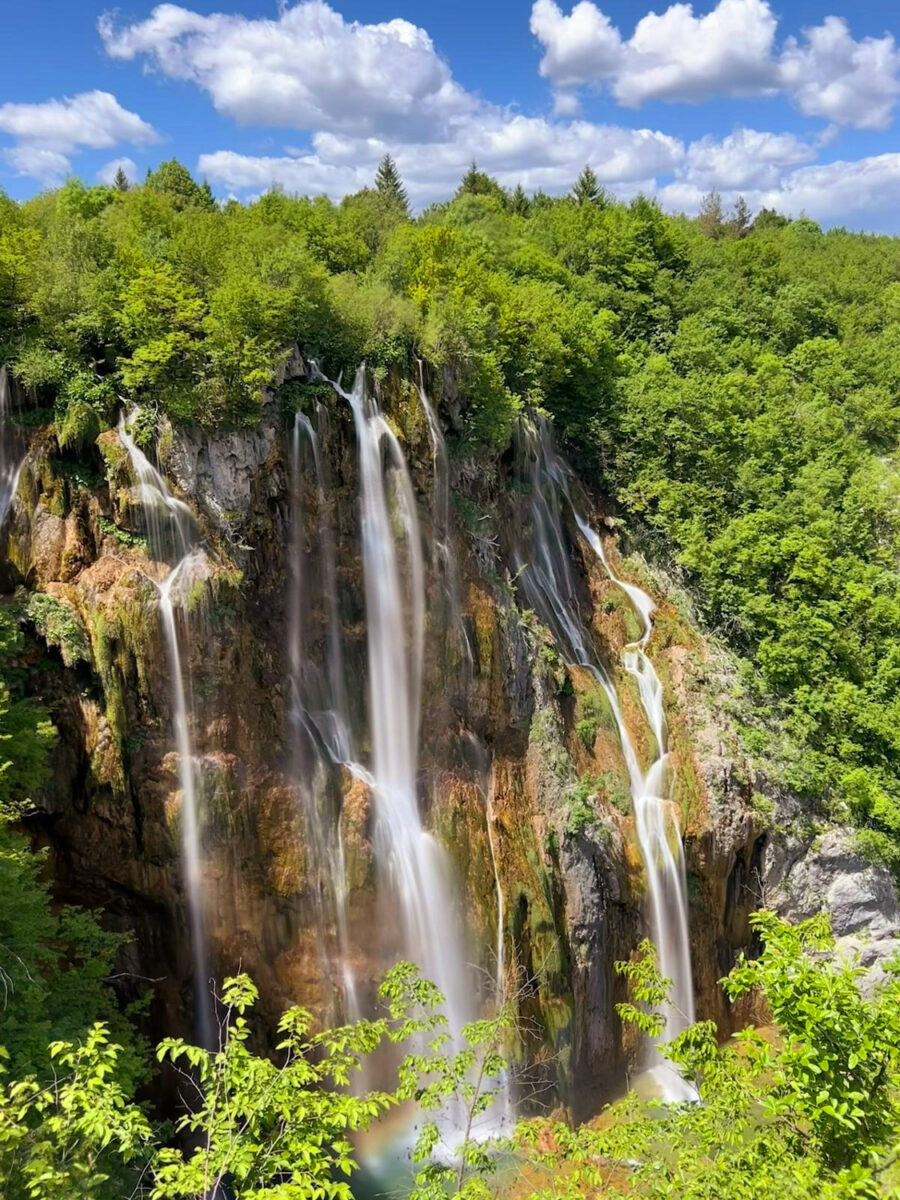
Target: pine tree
pixel 518 202
pixel 389 185
pixel 479 183
pixel 120 182
pixel 587 188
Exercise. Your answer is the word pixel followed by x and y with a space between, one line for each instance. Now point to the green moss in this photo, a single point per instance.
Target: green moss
pixel 593 712
pixel 58 623
pixel 131 541
pixel 81 476
pixel 581 811
pixel 617 791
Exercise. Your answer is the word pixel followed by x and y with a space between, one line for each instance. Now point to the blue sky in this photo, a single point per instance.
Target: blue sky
pixel 793 106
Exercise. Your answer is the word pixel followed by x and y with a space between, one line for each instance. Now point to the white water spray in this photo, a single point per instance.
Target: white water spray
pixel 440 516
pixel 12 449
pixel 549 585
pixel 408 855
pixel 172 532
pixel 318 712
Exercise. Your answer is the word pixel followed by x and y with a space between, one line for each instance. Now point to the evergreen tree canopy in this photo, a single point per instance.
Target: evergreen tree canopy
pixel 389 185
pixel 479 183
pixel 519 203
pixel 587 188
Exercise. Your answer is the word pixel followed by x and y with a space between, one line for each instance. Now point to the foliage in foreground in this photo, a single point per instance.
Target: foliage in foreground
pixel 806 1108
pixel 278 1127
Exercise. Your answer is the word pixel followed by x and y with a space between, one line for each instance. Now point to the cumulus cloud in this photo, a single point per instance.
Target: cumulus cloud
pixel 48 132
pixel 533 151
pixel 566 104
pixel 839 191
pixel 361 90
pixel 677 56
pixel 583 47
pixel 861 194
pixel 745 159
pixel 306 69
pixel 769 169
pixel 47 166
pixel 830 75
pixel 731 51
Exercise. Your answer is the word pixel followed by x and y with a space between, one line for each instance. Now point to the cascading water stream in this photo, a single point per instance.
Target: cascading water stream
pixel 318 706
pixel 172 533
pixel 440 517
pixel 395 618
pixel 549 587
pixel 12 449
pixel 657 824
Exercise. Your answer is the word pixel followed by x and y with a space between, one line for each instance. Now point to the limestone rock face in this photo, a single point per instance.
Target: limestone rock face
pixel 805 877
pixel 220 472
pixel 521 773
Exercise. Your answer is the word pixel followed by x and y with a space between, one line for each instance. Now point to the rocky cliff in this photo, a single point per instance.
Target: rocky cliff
pixel 521 772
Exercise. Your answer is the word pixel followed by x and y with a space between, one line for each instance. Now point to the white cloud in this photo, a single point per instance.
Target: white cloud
pixel 566 104
pixel 840 191
pixel 515 149
pixel 830 75
pixel 861 194
pixel 677 56
pixel 48 132
pixel 768 169
pixel 107 173
pixel 90 119
pixel 361 90
pixel 46 166
pixel 307 69
pixel 583 47
pixel 745 159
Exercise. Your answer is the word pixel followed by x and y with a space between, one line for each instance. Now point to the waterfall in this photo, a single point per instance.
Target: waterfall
pixel 12 450
pixel 410 859
pixel 172 533
pixel 440 517
pixel 548 583
pixel 657 822
pixel 318 713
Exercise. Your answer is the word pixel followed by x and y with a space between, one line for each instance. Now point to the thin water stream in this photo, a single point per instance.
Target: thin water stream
pixel 12 448
pixel 548 582
pixel 320 725
pixel 172 534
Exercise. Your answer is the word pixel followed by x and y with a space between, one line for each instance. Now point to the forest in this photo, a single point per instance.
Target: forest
pixel 732 383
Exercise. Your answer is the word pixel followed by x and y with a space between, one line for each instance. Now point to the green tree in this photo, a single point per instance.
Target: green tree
pixel 389 185
pixel 587 188
pixel 174 180
pixel 75 1134
pixel 53 960
pixel 518 202
pixel 120 182
pixel 809 1111
pixel 738 224
pixel 479 183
